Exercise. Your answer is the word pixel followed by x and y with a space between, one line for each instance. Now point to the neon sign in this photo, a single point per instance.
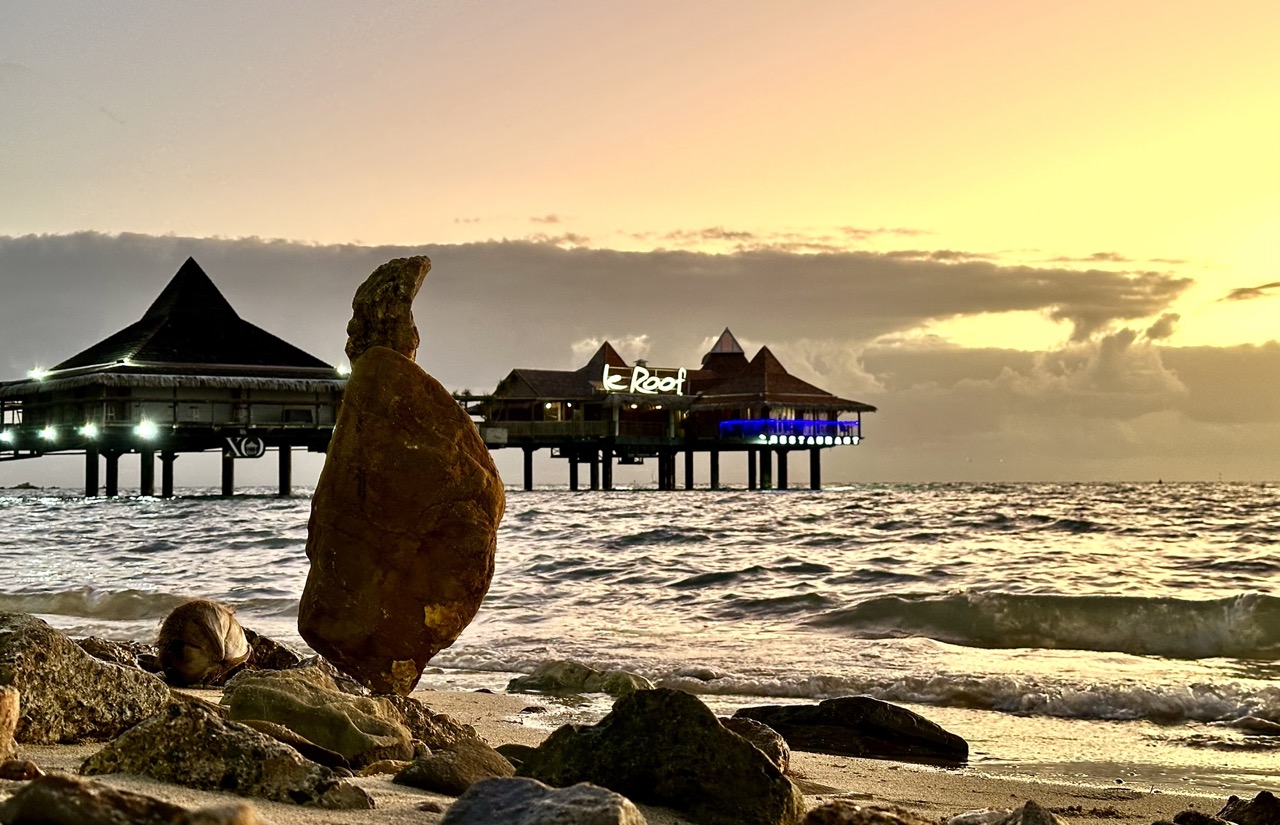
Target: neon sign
pixel 644 381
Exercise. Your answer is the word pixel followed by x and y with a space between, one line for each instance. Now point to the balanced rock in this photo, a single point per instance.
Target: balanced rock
pixel 382 310
pixel 362 729
pixel 861 726
pixel 403 526
pixel 565 675
pixel 66 694
pixel 528 802
pixel 66 800
pixel 200 643
pixel 455 769
pixel 189 745
pixel 665 747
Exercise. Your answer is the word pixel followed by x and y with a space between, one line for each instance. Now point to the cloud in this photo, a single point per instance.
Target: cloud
pixel 1114 396
pixel 1163 327
pixel 1248 293
pixel 1097 257
pixel 545 219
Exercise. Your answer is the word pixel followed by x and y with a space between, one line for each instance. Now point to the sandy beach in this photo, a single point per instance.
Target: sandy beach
pixel 931 792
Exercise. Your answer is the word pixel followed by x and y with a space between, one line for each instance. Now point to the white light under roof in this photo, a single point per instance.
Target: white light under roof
pixel 6 436
pixel 146 429
pixel 38 373
pixel 89 430
pixel 344 369
pixel 48 433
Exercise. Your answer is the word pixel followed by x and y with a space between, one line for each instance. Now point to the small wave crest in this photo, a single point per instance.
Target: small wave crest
pixel 1246 626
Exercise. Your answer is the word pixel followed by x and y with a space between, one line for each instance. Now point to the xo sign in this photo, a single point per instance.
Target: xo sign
pixel 246 446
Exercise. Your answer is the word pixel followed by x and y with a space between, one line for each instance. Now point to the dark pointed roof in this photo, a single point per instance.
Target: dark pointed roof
pixel 583 382
pixel 765 381
pixel 192 329
pixel 726 356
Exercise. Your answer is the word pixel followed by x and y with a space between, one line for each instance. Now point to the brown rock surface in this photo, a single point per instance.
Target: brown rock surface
pixel 382 310
pixel 403 526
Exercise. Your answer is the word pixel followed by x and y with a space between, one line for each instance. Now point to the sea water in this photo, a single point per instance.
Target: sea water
pixel 1101 633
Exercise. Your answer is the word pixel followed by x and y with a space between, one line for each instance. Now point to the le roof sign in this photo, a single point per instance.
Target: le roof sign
pixel 640 380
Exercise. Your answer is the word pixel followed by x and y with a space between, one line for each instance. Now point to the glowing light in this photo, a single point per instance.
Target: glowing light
pixel 146 429
pixel 635 406
pixel 854 440
pixel 773 439
pixel 39 373
pixel 764 437
pixel 344 369
pixel 547 406
pixel 49 434
pixel 6 436
pixel 657 406
pixel 809 440
pixel 89 430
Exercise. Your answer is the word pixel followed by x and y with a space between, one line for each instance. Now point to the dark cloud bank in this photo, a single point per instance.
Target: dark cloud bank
pixel 1116 402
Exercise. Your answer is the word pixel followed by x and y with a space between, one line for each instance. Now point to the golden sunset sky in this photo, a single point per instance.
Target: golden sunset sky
pixel 1126 135
pixel 902 199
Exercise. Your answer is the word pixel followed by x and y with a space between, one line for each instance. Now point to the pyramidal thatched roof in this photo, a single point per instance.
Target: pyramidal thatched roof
pixel 192 329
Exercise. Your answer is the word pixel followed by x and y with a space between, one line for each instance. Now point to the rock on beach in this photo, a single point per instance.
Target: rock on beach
pixel 404 518
pixel 67 695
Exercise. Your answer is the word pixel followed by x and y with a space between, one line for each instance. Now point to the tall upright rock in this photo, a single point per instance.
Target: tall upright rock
pixel 405 515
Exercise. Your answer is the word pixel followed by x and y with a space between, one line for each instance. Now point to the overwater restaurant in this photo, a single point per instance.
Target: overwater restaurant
pixel 609 409
pixel 190 376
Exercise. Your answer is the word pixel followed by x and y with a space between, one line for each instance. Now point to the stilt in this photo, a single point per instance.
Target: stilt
pixel 286 470
pixel 113 474
pixel 573 471
pixel 751 469
pixel 669 471
pixel 90 472
pixel 782 469
pixel 606 467
pixel 688 469
pixel 714 458
pixel 593 462
pixel 166 473
pixel 528 468
pixel 147 473
pixel 228 473
pixel 815 468
pixel 766 469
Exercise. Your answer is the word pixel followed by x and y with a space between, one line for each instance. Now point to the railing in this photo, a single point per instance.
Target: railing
pixel 788 431
pixel 577 429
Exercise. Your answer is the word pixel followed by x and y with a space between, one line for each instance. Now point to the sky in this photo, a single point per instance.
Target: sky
pixel 1042 238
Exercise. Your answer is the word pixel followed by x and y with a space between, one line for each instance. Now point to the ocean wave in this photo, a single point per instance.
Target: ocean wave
pixel 1245 626
pixel 1224 704
pixel 130 605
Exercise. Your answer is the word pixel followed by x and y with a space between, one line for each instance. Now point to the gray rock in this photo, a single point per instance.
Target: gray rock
pixel 665 747
pixel 268 654
pixel 308 749
pixel 453 770
pixel 766 739
pixel 66 800
pixel 515 753
pixel 1263 809
pixel 362 729
pixel 846 812
pixel 189 745
pixel 527 802
pixel 129 654
pixel 566 676
pixel 435 730
pixel 382 310
pixel 861 726
pixel 67 695
pixel 1032 813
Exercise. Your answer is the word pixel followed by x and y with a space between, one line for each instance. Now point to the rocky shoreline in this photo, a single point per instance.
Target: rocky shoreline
pixel 93 736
